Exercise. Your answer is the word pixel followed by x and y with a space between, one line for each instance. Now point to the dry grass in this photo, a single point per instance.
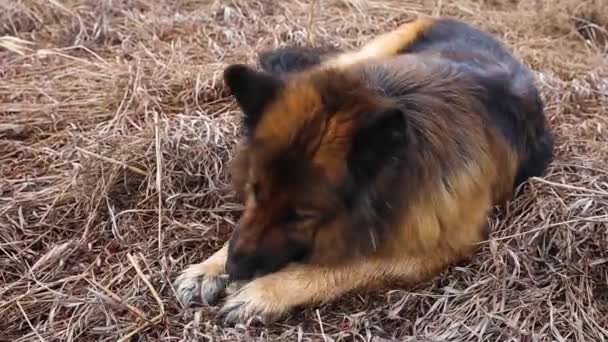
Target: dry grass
pixel 115 131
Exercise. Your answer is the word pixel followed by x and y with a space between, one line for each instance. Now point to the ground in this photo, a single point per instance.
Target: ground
pixel 115 131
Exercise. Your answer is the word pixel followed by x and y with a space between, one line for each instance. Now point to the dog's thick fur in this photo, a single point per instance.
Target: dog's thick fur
pixel 365 167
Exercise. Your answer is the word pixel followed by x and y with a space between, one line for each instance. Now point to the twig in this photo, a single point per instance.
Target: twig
pixel 33 291
pixel 57 198
pixel 437 9
pixel 154 320
pixel 571 187
pixel 145 280
pixel 158 180
pixel 113 161
pixel 585 219
pixel 53 254
pixel 29 323
pixel 311 18
pixel 93 212
pixel 116 298
pixel 321 326
pixel 15 45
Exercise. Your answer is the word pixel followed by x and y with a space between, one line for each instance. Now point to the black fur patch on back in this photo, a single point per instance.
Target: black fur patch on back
pixel 513 102
pixel 289 59
pixel 452 36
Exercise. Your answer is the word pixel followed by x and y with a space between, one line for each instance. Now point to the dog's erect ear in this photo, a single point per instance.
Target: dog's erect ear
pixel 252 89
pixel 380 138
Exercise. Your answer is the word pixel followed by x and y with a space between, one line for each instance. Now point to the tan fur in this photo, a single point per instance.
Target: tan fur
pixel 214 265
pixel 274 295
pixel 205 280
pixel 385 45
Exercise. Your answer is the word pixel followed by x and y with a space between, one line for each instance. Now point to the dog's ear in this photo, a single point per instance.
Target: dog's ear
pixel 382 136
pixel 253 91
pixel 291 58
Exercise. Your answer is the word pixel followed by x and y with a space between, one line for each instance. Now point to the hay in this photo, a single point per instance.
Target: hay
pixel 115 132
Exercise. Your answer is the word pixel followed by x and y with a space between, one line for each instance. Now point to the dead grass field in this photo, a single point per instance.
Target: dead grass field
pixel 114 134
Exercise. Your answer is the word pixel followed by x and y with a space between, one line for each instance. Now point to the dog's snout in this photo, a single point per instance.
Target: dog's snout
pixel 240 266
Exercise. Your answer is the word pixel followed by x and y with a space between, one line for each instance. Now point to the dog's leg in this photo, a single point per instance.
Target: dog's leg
pixel 272 296
pixel 205 281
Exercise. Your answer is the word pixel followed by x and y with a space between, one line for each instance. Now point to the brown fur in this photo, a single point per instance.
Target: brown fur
pixel 455 166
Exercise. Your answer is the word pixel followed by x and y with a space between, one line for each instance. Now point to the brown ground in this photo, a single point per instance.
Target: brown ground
pixel 112 100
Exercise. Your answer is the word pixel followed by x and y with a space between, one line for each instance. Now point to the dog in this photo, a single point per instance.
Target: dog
pixel 366 167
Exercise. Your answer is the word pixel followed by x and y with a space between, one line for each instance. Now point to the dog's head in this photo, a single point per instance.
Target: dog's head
pixel 314 144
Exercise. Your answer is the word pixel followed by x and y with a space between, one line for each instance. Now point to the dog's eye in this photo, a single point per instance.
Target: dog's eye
pixel 254 188
pixel 293 216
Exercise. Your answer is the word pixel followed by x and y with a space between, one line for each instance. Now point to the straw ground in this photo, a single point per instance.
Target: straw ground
pixel 115 130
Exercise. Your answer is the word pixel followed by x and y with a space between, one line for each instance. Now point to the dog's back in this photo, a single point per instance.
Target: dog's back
pixel 511 96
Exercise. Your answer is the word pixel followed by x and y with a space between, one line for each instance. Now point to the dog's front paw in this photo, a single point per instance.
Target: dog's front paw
pixel 254 301
pixel 200 284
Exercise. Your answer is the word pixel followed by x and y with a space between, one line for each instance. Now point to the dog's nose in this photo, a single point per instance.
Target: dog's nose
pixel 241 267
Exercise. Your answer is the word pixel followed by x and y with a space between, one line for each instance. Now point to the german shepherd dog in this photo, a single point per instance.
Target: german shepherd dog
pixel 363 167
